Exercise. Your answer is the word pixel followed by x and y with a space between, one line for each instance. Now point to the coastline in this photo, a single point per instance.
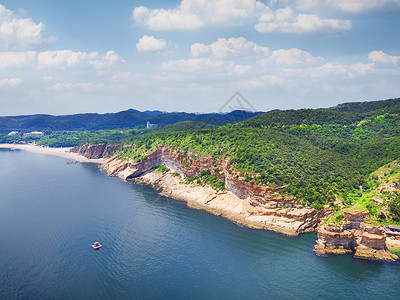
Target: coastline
pixel 289 222
pixel 60 152
pixel 367 241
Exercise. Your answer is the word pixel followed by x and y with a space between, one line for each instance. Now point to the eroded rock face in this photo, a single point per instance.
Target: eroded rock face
pixel 289 221
pixel 260 206
pixel 97 151
pixel 356 216
pixel 258 195
pixel 367 241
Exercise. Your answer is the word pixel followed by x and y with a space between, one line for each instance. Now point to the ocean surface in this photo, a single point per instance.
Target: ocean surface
pixel 51 212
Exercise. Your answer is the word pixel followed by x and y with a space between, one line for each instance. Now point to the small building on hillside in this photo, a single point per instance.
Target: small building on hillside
pixel 149 125
pixel 34 133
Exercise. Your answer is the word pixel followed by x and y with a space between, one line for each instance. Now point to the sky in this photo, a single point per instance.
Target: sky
pixel 65 57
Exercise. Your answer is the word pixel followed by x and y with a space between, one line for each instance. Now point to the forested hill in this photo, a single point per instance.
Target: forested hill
pixel 124 119
pixel 321 155
pixel 345 114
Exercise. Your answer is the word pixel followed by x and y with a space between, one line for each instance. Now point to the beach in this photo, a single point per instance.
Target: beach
pixel 60 152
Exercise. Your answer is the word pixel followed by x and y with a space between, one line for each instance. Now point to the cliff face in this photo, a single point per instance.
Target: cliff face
pixel 252 205
pixel 258 195
pixel 97 151
pixel 366 241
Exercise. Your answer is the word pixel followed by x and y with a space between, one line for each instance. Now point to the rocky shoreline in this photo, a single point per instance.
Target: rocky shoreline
pixel 355 236
pixel 242 202
pixel 226 204
pixel 248 204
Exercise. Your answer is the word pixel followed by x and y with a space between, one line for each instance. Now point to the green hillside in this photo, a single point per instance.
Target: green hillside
pixel 320 154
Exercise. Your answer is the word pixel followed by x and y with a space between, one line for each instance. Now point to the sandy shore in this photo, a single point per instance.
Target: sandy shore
pixel 61 152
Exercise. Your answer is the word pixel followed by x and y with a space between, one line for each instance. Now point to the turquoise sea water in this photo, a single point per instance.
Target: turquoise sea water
pixel 153 247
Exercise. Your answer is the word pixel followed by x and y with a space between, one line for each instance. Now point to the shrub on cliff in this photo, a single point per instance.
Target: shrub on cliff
pixel 394 207
pixel 161 169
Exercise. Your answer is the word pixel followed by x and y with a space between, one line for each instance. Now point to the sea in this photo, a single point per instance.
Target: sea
pixel 153 247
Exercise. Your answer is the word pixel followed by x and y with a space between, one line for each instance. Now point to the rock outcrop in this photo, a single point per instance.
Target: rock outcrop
pixel 97 151
pixel 353 235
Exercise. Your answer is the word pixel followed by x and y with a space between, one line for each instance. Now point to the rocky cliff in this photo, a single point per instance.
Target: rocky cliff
pixel 353 235
pixel 96 151
pixel 252 205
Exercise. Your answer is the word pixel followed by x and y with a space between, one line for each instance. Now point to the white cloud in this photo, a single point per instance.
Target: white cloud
pixel 106 61
pixel 304 23
pixel 228 47
pixel 161 19
pixel 293 57
pixel 18 33
pixel 382 57
pixel 195 14
pixel 279 15
pixel 240 70
pixel 360 69
pixel 64 58
pixel 150 43
pixel 13 82
pixel 351 6
pixel 16 59
pixel 68 58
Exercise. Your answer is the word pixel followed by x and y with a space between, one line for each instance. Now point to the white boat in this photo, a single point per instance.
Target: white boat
pixel 96 245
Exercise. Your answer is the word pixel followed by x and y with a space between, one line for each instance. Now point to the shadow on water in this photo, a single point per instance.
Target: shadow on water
pixel 360 269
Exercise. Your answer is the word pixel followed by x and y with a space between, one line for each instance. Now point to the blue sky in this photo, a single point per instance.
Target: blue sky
pixel 63 57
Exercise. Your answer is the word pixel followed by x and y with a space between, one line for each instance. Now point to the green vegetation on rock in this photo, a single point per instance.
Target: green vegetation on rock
pixel 161 169
pixel 205 177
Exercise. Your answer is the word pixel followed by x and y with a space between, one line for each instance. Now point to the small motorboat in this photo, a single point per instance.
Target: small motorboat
pixel 96 245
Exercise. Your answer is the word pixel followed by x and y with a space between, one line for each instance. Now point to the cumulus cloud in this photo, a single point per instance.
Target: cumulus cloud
pixel 64 58
pixel 240 47
pixel 106 61
pixel 304 23
pixel 150 43
pixel 195 14
pixel 228 47
pixel 353 6
pixel 68 58
pixel 13 82
pixel 382 57
pixel 293 57
pixel 18 33
pixel 161 19
pixel 16 59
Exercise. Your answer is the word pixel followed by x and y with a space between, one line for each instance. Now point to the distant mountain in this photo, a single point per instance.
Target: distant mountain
pixel 124 119
pixel 154 112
